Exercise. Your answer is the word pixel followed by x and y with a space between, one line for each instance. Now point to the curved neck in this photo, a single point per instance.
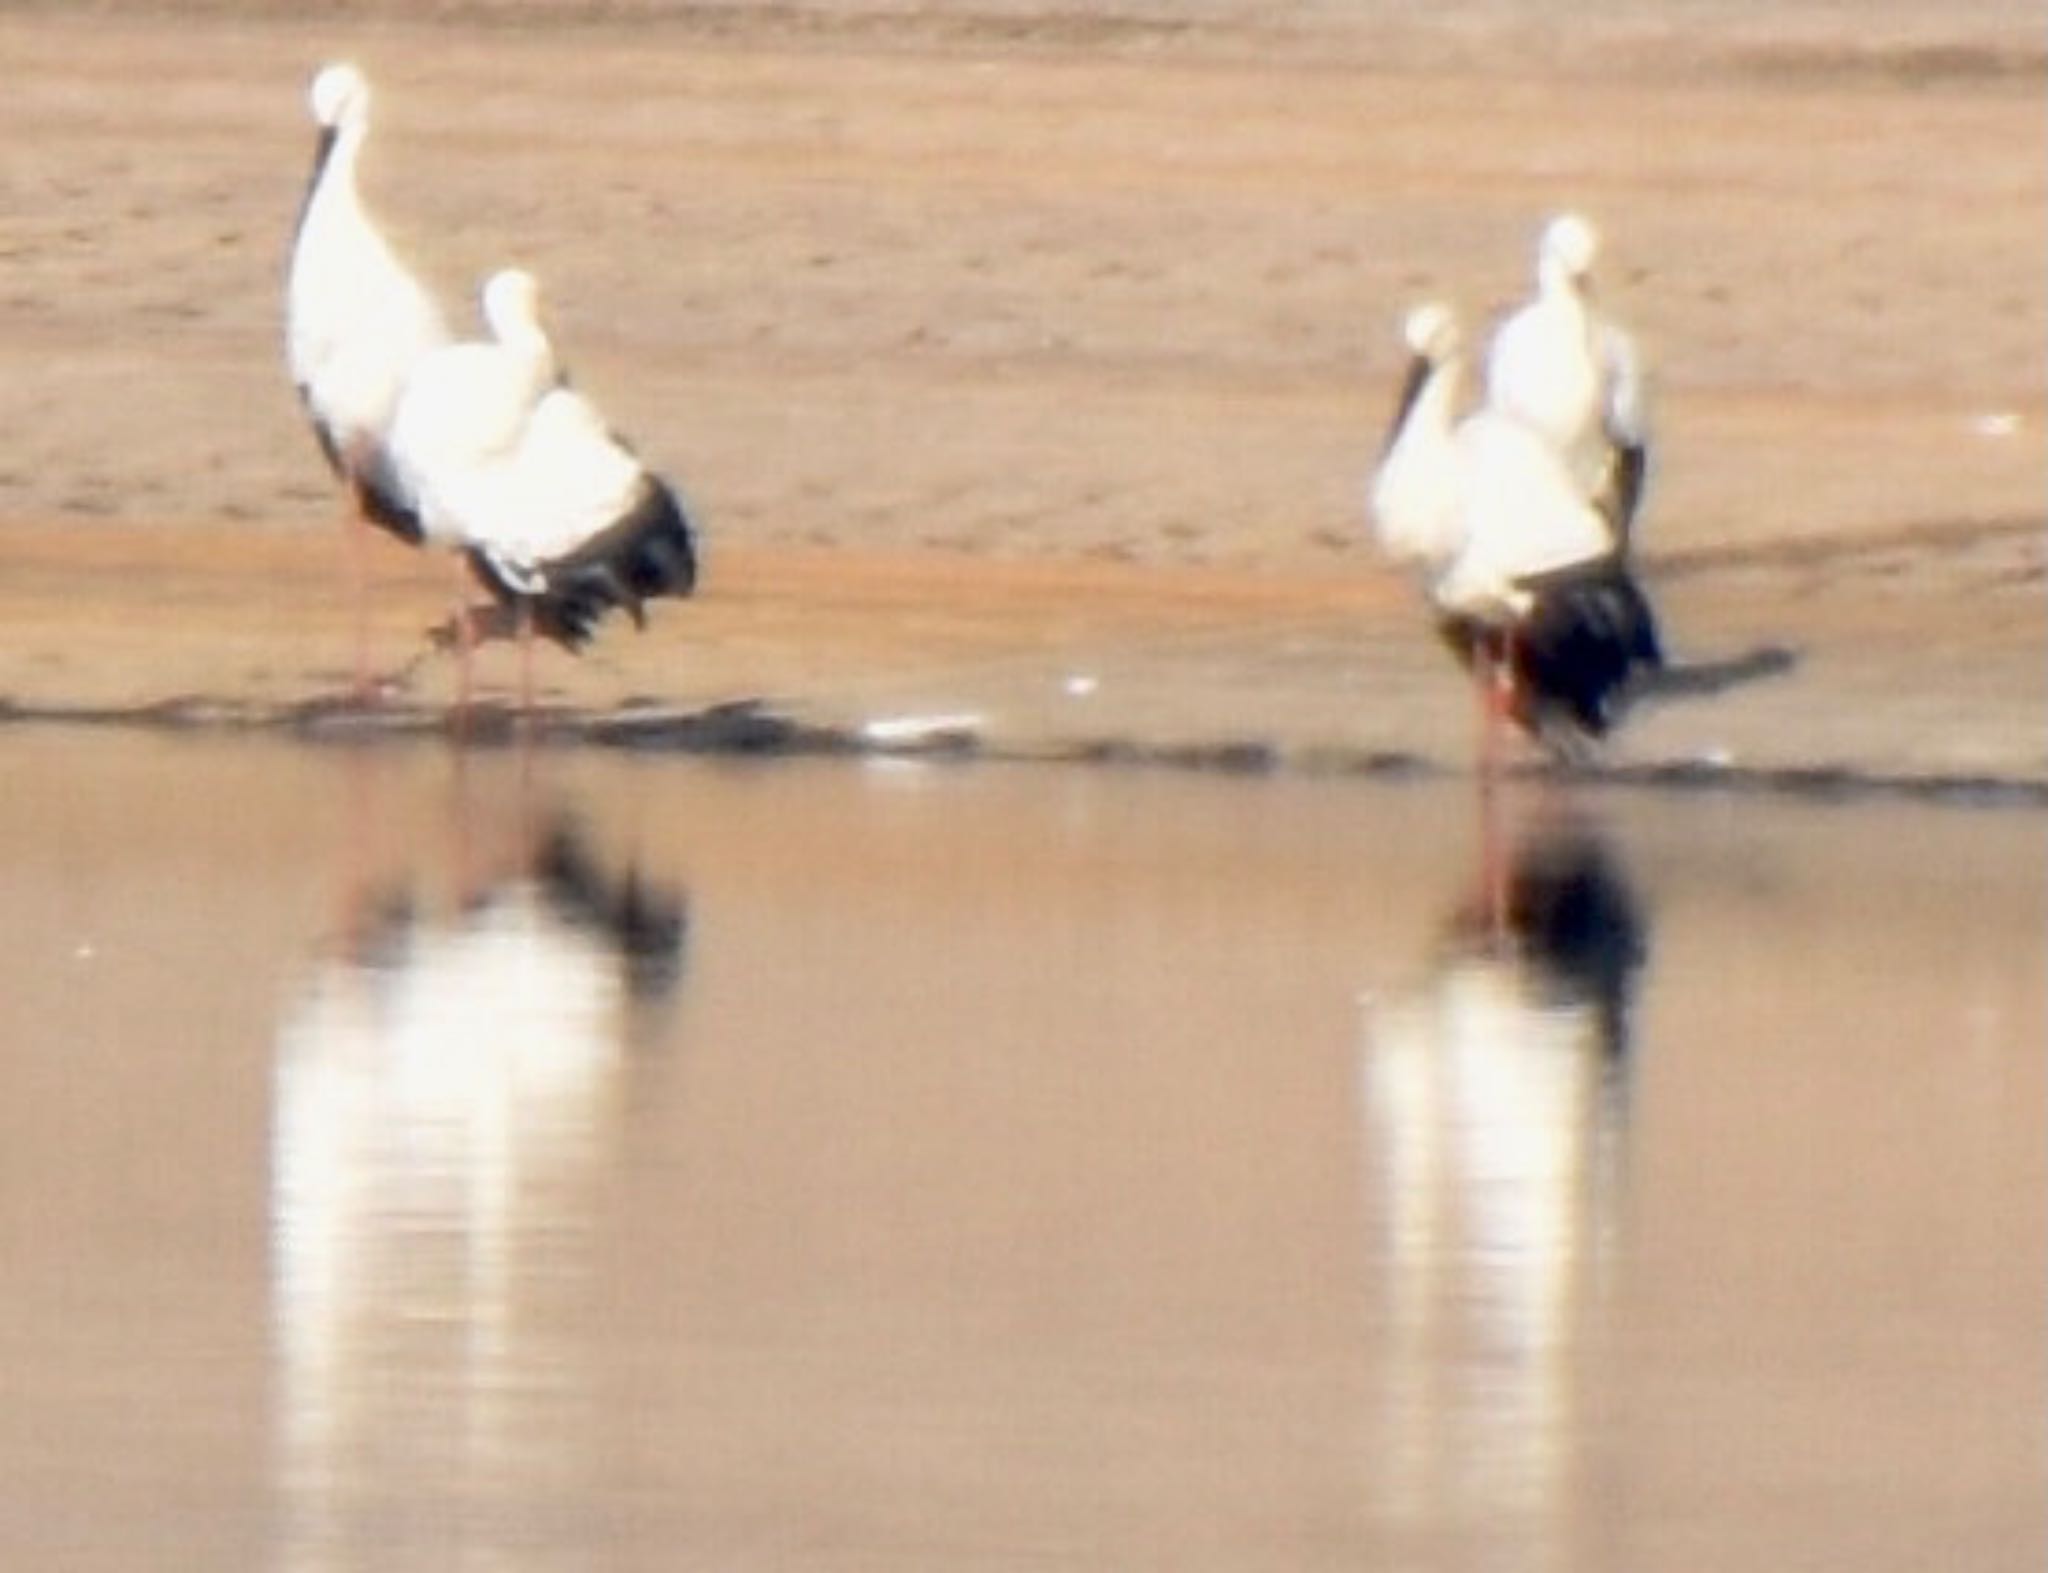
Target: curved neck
pixel 332 179
pixel 1425 403
pixel 520 336
pixel 1439 393
pixel 1555 282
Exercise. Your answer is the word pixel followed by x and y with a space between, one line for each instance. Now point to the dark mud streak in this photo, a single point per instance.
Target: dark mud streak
pixel 752 728
pixel 1933 537
pixel 1910 65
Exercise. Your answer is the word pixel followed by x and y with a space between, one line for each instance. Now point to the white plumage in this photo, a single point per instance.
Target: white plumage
pixel 466 406
pixel 1540 596
pixel 519 470
pixel 357 321
pixel 1472 501
pixel 441 1116
pixel 1413 498
pixel 1573 375
pixel 1523 571
pixel 568 480
pixel 1520 515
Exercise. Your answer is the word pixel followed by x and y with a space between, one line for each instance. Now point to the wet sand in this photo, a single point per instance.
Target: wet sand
pixel 1026 364
pixel 1911 676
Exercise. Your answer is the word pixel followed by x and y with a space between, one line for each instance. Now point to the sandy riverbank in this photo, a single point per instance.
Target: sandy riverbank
pixel 1026 362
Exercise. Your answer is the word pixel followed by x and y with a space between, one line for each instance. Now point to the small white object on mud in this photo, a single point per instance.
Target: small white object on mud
pixel 918 728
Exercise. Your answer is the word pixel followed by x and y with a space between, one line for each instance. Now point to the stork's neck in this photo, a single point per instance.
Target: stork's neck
pixel 1428 397
pixel 1436 404
pixel 331 192
pixel 529 344
pixel 1562 289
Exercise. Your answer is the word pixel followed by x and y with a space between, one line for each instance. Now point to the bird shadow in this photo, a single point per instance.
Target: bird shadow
pixel 1699 679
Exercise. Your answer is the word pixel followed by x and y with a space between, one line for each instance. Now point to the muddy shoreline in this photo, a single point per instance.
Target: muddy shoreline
pixel 1027 362
pixel 1788 675
pixel 744 730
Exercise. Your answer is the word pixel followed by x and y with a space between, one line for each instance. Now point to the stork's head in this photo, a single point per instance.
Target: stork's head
pixel 340 95
pixel 1567 251
pixel 1431 332
pixel 512 302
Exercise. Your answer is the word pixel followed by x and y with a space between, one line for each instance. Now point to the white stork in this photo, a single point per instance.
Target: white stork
pixel 1530 589
pixel 516 469
pixel 1573 375
pixel 357 322
pixel 1540 594
pixel 1413 498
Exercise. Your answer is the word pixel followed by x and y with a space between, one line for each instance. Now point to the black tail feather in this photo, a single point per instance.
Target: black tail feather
pixel 1590 639
pixel 649 553
pixel 1587 646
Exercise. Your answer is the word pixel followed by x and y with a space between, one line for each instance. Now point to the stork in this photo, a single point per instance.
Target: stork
pixel 518 471
pixel 1573 375
pixel 356 323
pixel 1528 586
pixel 1540 596
pixel 1413 497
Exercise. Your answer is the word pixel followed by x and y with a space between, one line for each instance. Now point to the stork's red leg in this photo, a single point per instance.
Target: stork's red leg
pixel 355 526
pixel 465 641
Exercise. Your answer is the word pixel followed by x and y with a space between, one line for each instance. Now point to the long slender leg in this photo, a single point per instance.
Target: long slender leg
pixel 1482 690
pixel 353 462
pixel 1492 682
pixel 465 641
pixel 355 530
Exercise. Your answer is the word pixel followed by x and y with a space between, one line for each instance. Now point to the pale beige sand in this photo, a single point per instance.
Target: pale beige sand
pixel 1010 346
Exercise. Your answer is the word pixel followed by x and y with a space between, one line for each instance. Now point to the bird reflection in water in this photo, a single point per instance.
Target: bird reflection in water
pixel 447 1083
pixel 562 899
pixel 1494 1100
pixel 1569 924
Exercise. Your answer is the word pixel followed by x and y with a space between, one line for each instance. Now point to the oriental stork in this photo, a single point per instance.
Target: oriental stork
pixel 356 323
pixel 1530 590
pixel 1413 497
pixel 518 471
pixel 1573 375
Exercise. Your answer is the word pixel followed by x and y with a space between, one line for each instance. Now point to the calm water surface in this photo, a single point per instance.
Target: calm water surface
pixel 418 1161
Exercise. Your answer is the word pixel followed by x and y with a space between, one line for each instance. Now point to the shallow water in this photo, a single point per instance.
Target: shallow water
pixel 418 1160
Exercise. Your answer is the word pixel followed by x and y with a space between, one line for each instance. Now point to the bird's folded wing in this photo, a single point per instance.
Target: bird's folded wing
pixel 567 481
